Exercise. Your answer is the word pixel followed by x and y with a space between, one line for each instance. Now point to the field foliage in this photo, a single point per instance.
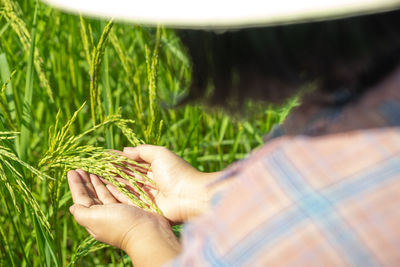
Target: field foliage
pixel 70 89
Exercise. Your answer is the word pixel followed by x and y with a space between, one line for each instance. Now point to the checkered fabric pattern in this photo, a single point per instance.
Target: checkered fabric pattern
pixel 332 200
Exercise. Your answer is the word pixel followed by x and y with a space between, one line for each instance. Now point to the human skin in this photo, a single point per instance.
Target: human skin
pixel 182 191
pixel 145 236
pixel 109 216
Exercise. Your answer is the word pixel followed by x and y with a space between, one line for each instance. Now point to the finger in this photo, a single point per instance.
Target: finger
pixel 84 217
pixel 148 153
pixel 118 179
pixel 82 214
pixel 102 192
pixel 79 192
pixel 140 181
pixel 140 162
pixel 121 197
pixel 88 184
pixel 133 176
pixel 135 166
pixel 144 168
pixel 104 180
pixel 125 182
pixel 128 186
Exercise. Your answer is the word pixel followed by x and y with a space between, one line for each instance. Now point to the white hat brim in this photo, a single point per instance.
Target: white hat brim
pixel 223 14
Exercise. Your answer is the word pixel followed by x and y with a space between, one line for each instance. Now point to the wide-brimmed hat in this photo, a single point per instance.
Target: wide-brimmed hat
pixel 223 14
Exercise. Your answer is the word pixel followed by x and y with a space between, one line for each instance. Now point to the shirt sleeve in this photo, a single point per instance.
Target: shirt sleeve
pixel 322 201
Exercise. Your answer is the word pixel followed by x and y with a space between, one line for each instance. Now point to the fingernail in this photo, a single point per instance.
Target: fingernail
pixel 127 149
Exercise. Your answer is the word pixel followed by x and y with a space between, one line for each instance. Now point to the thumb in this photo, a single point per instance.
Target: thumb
pixel 147 153
pixel 81 214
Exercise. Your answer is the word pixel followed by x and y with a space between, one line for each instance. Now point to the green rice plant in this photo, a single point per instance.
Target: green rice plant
pixel 13 14
pixel 3 103
pixel 26 108
pixel 66 153
pixel 152 65
pixel 132 78
pixel 6 158
pixel 87 246
pixel 10 110
pixel 12 179
pixel 95 59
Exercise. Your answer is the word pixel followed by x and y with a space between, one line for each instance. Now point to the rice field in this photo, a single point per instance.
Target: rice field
pixel 72 88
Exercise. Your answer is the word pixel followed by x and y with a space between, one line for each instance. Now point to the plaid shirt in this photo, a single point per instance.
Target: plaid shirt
pixel 329 200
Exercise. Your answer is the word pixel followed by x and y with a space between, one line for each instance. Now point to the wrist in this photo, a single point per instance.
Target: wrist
pixel 213 186
pixel 201 194
pixel 152 246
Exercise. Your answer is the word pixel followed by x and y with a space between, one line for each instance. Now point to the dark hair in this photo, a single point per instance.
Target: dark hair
pixel 270 63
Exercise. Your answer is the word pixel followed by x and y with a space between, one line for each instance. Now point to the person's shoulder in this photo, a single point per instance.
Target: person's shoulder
pixel 323 159
pixel 388 138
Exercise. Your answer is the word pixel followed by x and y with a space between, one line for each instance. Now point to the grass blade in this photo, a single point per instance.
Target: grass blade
pixel 26 112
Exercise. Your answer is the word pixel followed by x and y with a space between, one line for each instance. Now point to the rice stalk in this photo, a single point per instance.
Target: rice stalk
pixel 122 124
pixel 17 236
pixel 4 152
pixel 152 67
pixel 63 143
pixel 108 165
pixel 6 247
pixel 132 75
pixel 160 127
pixel 107 99
pixel 26 108
pixel 65 152
pixel 95 59
pixel 10 92
pixel 7 137
pixel 4 180
pixel 18 185
pixel 14 181
pixel 5 27
pixel 85 40
pixel 122 55
pixel 4 87
pixel 13 14
pixel 87 246
pixel 3 103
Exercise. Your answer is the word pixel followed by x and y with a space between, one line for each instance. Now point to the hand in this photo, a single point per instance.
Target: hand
pixel 182 191
pixel 110 220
